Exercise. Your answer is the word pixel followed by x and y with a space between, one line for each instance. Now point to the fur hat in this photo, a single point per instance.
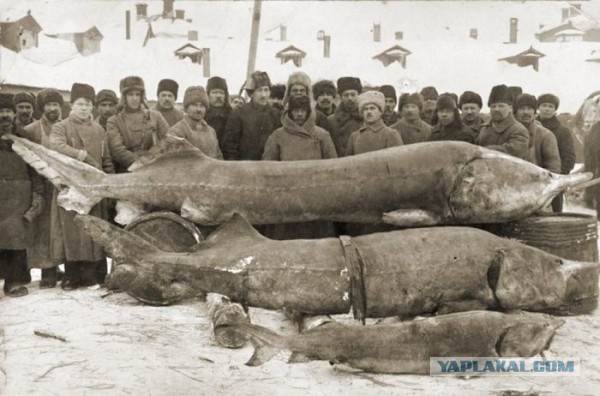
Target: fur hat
pixel 348 83
pixel 86 91
pixel 413 98
pixel 6 102
pixel 500 94
pixel 515 91
pixel 278 91
pixel 24 97
pixel 526 100
pixel 429 93
pixel 256 80
pixel 48 95
pixel 323 87
pixel 106 95
pixel 388 91
pixel 374 97
pixel 216 83
pixel 549 98
pixel 297 78
pixel 299 102
pixel 167 85
pixel 470 97
pixel 193 95
pixel 445 101
pixel 130 83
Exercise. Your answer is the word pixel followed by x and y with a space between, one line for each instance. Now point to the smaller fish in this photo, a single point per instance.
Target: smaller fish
pixel 405 348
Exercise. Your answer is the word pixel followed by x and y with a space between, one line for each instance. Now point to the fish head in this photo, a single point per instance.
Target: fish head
pixel 524 277
pixel 527 334
pixel 497 187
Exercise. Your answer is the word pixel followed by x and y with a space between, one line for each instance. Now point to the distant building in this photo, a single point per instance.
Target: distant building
pixel 576 25
pixel 20 34
pixel 87 42
pixel 190 51
pixel 528 57
pixel 291 53
pixel 393 54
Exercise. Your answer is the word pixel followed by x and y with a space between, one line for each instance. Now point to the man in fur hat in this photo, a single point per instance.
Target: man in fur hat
pixel 106 104
pixel 135 128
pixel 390 117
pixel 324 93
pixel 470 105
pixel 299 85
pixel 411 127
pixel 503 133
pixel 277 95
pixel 447 124
pixel 346 118
pixel 430 95
pixel 219 108
pixel 25 105
pixel 166 95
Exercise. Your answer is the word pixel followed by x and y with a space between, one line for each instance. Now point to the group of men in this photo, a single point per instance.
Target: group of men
pixel 307 122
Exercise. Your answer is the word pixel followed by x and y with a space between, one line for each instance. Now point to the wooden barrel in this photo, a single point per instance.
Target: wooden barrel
pixel 573 236
pixel 167 231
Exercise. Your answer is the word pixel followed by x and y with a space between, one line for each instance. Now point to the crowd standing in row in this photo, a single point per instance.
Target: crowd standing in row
pixel 292 122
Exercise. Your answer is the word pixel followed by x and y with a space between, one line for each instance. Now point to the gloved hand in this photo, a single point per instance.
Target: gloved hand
pixel 36 207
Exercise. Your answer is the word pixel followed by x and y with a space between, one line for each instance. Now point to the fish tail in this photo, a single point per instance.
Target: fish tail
pixel 266 342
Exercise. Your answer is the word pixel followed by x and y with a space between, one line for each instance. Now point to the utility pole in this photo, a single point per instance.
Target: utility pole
pixel 254 36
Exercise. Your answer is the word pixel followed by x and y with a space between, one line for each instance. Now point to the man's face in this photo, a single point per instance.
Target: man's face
pixel 410 112
pixel 325 100
pixel 371 113
pixel 299 116
pixel 499 111
pixel 429 104
pixel 196 111
pixel 52 111
pixel 236 102
pixel 446 116
pixel 525 114
pixel 298 90
pixel 7 116
pixel 24 111
pixel 261 95
pixel 82 108
pixel 547 110
pixel 166 100
pixel 107 108
pixel 470 112
pixel 216 98
pixel 133 99
pixel 390 105
pixel 350 99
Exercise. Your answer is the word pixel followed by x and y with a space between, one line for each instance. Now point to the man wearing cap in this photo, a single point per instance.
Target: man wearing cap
pixel 542 150
pixel 390 117
pixel 135 128
pixel 166 95
pixel 50 101
pixel 503 133
pixel 249 126
pixel 106 103
pixel 25 105
pixel 276 96
pixel 470 105
pixel 193 128
pixel 219 108
pixel 447 124
pixel 81 138
pixel 411 127
pixel 547 107
pixel 429 95
pixel 324 93
pixel 299 139
pixel 346 118
pixel 22 200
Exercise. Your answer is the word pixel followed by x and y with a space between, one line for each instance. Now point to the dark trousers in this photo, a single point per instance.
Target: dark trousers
pixel 557 203
pixel 14 263
pixel 86 273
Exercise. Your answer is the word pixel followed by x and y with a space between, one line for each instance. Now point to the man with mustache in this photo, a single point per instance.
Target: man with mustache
pixel 25 105
pixel 277 95
pixel 39 254
pixel 470 105
pixel 503 133
pixel 542 150
pixel 324 94
pixel 22 200
pixel 219 108
pixel 346 118
pixel 411 127
pixel 166 95
pixel 430 95
pixel 390 117
pixel 106 103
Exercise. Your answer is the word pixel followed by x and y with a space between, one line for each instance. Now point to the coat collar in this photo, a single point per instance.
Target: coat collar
pixel 502 125
pixel 376 127
pixel 194 125
pixel 306 130
pixel 551 123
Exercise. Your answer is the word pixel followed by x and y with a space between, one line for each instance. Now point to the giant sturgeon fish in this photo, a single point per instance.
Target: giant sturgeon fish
pixel 400 273
pixel 408 186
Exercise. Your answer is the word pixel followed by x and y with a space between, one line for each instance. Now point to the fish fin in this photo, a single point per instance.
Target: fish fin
pixel 298 357
pixel 266 342
pixel 262 355
pixel 128 211
pixel 169 145
pixel 236 227
pixel 70 176
pixel 527 339
pixel 197 214
pixel 411 218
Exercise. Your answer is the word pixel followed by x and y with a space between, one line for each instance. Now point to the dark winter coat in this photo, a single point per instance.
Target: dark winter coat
pixel 200 134
pixel 217 117
pixel 453 131
pixel 247 131
pixel 390 119
pixel 342 126
pixel 172 116
pixel 543 150
pixel 565 141
pixel 326 112
pixel 371 138
pixel 417 133
pixel 476 127
pixel 508 136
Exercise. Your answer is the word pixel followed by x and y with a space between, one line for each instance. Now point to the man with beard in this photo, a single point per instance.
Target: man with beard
pixel 324 93
pixel 390 117
pixel 166 95
pixel 503 133
pixel 447 124
pixel 25 104
pixel 135 129
pixel 276 96
pixel 80 138
pixel 430 95
pixel 193 128
pixel 470 105
pixel 22 201
pixel 547 106
pixel 299 139
pixel 346 118
pixel 411 127
pixel 219 108
pixel 106 103
pixel 299 85
pixel 39 255
pixel 249 126
pixel 543 150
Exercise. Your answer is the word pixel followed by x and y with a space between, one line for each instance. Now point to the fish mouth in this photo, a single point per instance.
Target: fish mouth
pixel 560 183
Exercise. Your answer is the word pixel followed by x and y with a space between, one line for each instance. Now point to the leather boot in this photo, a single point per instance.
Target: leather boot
pixel 48 280
pixel 70 280
pixel 88 273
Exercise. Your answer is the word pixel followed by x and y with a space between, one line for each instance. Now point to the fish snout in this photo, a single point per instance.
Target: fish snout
pixel 581 294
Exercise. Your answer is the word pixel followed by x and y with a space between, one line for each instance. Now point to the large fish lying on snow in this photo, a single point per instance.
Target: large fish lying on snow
pixel 406 347
pixel 414 185
pixel 404 273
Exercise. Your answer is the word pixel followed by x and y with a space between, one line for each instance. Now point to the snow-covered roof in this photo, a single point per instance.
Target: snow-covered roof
pixel 570 32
